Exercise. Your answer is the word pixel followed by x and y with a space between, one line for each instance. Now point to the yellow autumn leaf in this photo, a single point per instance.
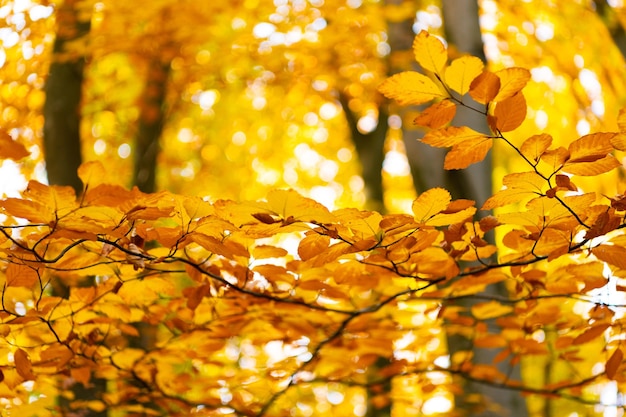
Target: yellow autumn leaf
pixel 510 113
pixel 485 87
pixel 443 138
pixel 430 52
pixel 461 72
pixel 11 149
pixel 533 147
pixel 312 245
pixel 517 187
pixel 468 152
pixel 437 115
pixel 512 80
pixel 92 173
pixel 594 168
pixel 290 204
pixel 611 254
pixel 590 147
pixel 430 203
pixel 410 87
pixel 490 310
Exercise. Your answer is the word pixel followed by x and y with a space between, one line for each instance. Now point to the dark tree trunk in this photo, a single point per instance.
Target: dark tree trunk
pixel 62 152
pixel 151 121
pixel 463 31
pixel 370 148
pixel 61 131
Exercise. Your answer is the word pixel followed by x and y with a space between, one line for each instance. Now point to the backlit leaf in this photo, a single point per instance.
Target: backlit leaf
pixel 533 147
pixel 468 152
pixel 512 81
pixel 23 365
pixel 437 115
pixel 410 87
pixel 461 72
pixel 591 333
pixel 485 87
pixel 450 136
pixel 430 52
pixel 430 203
pixel 594 168
pixel 614 362
pixel 11 149
pixel 611 254
pixel 490 310
pixel 510 113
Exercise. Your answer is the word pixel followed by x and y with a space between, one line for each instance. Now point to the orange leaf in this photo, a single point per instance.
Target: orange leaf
pixel 518 187
pixel 430 52
pixel 512 80
pixel 430 203
pixel 611 254
pixel 619 141
pixel 450 136
pixel 23 365
pixel 29 210
pixel 613 364
pixel 533 147
pixel 510 113
pixel 591 147
pixel 490 310
pixel 485 87
pixel 591 333
pixel 461 72
pixel 10 148
pixel 312 245
pixel 594 168
pixel 92 173
pixel 437 115
pixel 21 276
pixel 410 87
pixel 467 153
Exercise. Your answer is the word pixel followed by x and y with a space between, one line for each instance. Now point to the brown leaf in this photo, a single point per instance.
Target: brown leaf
pixel 613 364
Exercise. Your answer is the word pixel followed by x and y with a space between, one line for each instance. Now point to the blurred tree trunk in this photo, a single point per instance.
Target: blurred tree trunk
pixel 613 24
pixel 462 30
pixel 151 122
pixel 61 131
pixel 62 152
pixel 370 149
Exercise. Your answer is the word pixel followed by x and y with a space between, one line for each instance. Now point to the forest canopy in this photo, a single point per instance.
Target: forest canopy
pixel 217 208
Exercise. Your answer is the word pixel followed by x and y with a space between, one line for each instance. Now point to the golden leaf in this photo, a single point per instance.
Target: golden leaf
pixel 590 147
pixel 611 254
pixel 597 167
pixel 23 365
pixel 533 147
pixel 10 148
pixel 450 136
pixel 490 310
pixel 410 87
pixel 518 187
pixel 512 80
pixel 430 203
pixel 485 87
pixel 92 173
pixel 430 52
pixel 461 72
pixel 312 245
pixel 437 115
pixel 510 113
pixel 468 152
